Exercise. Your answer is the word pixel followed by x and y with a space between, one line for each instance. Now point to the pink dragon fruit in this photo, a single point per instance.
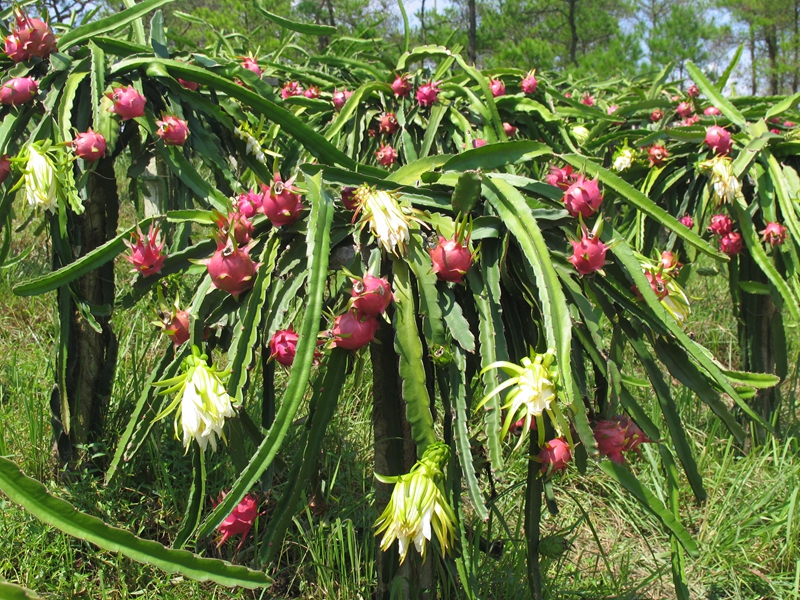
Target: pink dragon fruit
pixel 774 234
pixel 90 146
pixel 178 328
pixel 731 243
pixel 250 64
pixel 283 346
pixel 236 224
pixel 588 254
pixel 610 438
pixel 587 99
pixel 349 198
pixel 656 115
pixel 657 154
pixel 189 85
pixel 497 87
pixel 712 111
pixel 510 130
pixel 340 98
pixel 428 94
pixel 371 296
pixel 719 140
pixel 612 109
pixel 239 521
pixel 689 121
pixel 5 168
pixel 451 259
pixel 561 178
pixel 388 124
pixel 789 124
pixel 172 130
pixel 657 284
pixel 386 155
pixel 478 143
pixel 31 37
pixel 633 436
pixel 684 110
pixel 249 203
pixel 555 455
pixel 401 86
pixel 312 92
pixel 352 331
pixel 18 90
pixel 720 224
pixel 147 254
pixel 669 262
pixel 291 88
pixel 529 83
pixel 281 202
pixel 128 103
pixel 583 197
pixel 687 221
pixel 231 269
pixel 693 91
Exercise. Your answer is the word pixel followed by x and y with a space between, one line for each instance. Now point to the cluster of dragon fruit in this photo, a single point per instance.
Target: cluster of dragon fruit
pixel 202 404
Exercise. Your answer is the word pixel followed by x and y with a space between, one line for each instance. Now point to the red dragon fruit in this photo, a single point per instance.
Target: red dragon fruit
pixel 587 99
pixel 656 115
pixel 583 197
pixel 478 143
pixel 340 98
pixel 90 146
pixel 428 94
pixel 352 331
pixel 497 87
pixel 231 269
pixel 249 203
pixel 633 436
pixel 236 224
pixel 731 243
pixel 401 86
pixel 588 254
pixel 31 37
pixel 669 262
pixel 529 83
pixel 720 224
pixel 250 64
pixel 291 88
pixel 239 521
pixel 189 85
pixel 386 155
pixel 128 103
pixel 371 296
pixel 657 154
pixel 555 455
pixel 281 202
pixel 349 198
pixel 657 284
pixel 719 140
pixel 684 110
pixel 774 234
pixel 172 130
pixel 451 259
pixel 178 328
pixel 687 221
pixel 312 92
pixel 561 178
pixel 283 346
pixel 5 168
pixel 18 90
pixel 610 438
pixel 712 111
pixel 388 124
pixel 693 91
pixel 689 121
pixel 510 130
pixel 147 254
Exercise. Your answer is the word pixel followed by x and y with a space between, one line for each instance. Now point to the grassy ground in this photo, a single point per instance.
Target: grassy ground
pixel 748 530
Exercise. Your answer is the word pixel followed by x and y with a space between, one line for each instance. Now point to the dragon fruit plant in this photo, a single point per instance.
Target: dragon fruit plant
pixel 571 272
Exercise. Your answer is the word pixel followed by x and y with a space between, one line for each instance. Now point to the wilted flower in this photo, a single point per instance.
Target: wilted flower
pixel 201 401
pixel 253 145
pixel 418 507
pixel 388 222
pixel 41 182
pixel 623 158
pixel 533 391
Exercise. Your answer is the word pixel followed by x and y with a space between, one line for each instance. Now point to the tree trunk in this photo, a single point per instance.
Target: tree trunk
pixel 473 32
pixel 771 39
pixel 573 33
pixel 422 23
pixel 92 347
pixel 753 80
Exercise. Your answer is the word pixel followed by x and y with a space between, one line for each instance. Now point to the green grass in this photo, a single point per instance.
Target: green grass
pixel 748 530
